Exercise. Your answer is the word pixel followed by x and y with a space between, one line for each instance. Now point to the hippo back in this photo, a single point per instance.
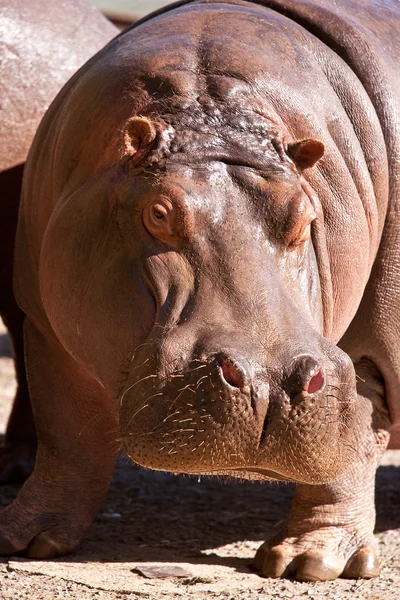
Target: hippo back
pixel 42 43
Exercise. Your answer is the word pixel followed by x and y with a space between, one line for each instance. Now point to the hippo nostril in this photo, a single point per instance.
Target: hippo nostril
pixel 232 374
pixel 306 376
pixel 316 383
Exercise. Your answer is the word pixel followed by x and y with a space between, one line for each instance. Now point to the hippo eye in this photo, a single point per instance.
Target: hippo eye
pixel 159 219
pixel 159 212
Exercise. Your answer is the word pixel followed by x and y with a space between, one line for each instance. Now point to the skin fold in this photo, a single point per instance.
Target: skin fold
pixel 206 256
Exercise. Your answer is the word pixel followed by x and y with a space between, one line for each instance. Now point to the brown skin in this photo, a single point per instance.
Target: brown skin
pixel 209 231
pixel 42 44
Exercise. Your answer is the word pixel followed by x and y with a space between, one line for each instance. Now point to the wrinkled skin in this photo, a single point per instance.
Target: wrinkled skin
pixel 207 279
pixel 42 43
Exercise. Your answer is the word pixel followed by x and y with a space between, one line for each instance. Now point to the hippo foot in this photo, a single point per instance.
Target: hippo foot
pixel 38 537
pixel 46 520
pixel 17 460
pixel 319 556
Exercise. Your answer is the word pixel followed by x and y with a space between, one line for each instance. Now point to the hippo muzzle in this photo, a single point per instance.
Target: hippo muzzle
pixel 220 412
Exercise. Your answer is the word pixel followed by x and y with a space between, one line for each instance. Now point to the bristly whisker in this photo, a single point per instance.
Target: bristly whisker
pixel 140 346
pixel 170 415
pixel 133 385
pixel 181 390
pixel 135 414
pixel 200 380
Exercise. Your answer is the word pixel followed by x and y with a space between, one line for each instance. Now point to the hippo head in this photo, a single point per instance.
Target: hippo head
pixel 233 374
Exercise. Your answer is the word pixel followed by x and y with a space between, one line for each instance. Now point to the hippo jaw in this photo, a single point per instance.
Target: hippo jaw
pixel 235 377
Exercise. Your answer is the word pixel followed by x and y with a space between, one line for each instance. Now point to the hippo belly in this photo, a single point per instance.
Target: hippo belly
pixel 207 264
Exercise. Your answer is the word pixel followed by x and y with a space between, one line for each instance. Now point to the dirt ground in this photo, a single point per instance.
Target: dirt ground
pixel 200 535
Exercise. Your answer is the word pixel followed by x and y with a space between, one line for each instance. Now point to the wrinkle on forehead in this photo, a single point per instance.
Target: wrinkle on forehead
pixel 212 110
pixel 211 128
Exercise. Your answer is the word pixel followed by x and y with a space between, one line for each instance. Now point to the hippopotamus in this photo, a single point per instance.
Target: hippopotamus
pixel 42 43
pixel 207 258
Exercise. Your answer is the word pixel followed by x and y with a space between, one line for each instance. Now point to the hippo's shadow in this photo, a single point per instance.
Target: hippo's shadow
pixel 387 498
pixel 5 346
pixel 150 516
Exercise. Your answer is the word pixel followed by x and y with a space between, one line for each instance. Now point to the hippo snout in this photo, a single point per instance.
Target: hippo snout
pixel 227 412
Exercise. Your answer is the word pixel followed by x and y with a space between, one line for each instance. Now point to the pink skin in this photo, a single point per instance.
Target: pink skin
pixel 206 263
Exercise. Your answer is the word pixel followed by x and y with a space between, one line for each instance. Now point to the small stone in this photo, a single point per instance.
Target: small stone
pixel 162 571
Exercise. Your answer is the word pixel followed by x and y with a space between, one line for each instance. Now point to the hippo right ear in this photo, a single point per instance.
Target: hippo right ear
pixel 305 153
pixel 139 137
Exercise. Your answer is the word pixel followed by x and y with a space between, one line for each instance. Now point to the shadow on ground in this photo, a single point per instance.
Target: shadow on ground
pixel 387 498
pixel 149 516
pixel 5 346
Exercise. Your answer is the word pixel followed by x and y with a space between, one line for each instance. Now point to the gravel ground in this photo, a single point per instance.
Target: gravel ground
pixel 197 536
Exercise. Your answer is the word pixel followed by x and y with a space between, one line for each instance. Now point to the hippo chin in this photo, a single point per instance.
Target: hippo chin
pixel 206 242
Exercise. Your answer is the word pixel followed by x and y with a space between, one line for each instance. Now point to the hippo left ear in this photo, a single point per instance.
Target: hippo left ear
pixel 305 153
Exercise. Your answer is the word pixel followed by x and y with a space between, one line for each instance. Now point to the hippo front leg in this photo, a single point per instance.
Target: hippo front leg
pixel 76 428
pixel 329 532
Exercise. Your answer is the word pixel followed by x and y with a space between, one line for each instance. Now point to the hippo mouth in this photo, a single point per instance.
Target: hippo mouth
pixel 249 473
pixel 217 417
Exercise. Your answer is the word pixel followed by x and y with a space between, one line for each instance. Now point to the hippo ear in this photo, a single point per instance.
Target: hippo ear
pixel 139 136
pixel 306 153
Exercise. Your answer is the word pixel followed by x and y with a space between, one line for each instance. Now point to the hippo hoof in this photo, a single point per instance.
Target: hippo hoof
pixel 46 520
pixel 315 565
pixel 22 534
pixel 44 545
pixel 364 564
pixel 16 462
